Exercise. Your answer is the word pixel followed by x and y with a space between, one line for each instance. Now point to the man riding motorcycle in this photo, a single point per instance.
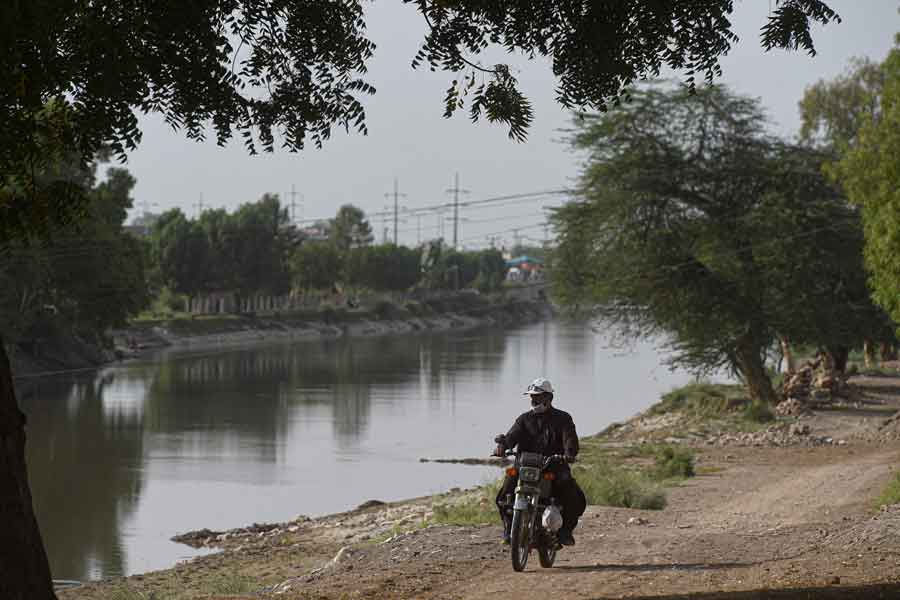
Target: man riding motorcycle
pixel 545 430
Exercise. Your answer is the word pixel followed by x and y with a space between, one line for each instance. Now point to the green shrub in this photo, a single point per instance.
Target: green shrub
pixel 891 493
pixel 385 309
pixel 673 463
pixel 477 510
pixel 606 485
pixel 759 412
pixel 702 399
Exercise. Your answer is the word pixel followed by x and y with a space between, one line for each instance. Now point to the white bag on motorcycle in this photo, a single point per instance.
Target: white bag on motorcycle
pixel 552 519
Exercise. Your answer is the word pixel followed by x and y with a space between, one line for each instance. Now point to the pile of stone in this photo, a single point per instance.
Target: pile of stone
pixel 791 408
pixel 890 429
pixel 797 385
pixel 811 387
pixel 781 434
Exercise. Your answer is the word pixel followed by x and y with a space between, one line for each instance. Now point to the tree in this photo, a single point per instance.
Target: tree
pixel 315 266
pixel 832 112
pixel 258 255
pixel 689 217
pixel 97 269
pixel 384 267
pixel 491 270
pixel 349 228
pixel 813 255
pixel 77 73
pixel 597 49
pixel 870 173
pixel 182 252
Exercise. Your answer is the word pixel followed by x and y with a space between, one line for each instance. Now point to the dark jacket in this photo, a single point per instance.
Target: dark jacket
pixel 551 432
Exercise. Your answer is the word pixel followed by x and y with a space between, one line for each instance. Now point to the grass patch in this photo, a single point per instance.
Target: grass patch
pixel 231 583
pixel 673 463
pixel 877 372
pixel 709 470
pixel 131 594
pixel 757 412
pixel 702 399
pixel 605 482
pixel 891 493
pixel 609 485
pixel 477 510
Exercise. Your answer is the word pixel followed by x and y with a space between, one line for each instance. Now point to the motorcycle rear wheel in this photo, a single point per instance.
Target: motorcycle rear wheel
pixel 547 555
pixel 519 539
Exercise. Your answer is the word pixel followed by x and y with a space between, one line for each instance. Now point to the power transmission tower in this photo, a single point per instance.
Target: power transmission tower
pixel 396 195
pixel 456 191
pixel 293 204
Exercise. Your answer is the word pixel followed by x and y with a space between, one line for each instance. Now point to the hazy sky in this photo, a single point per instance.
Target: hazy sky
pixel 409 139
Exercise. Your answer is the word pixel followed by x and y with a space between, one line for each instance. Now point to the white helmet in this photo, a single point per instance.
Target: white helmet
pixel 539 386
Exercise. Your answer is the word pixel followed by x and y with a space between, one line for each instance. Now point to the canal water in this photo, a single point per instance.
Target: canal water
pixel 122 459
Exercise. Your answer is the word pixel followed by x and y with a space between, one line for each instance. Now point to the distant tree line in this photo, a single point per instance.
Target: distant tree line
pixel 257 250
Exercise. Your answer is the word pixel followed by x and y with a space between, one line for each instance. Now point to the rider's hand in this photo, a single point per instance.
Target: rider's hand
pixel 499 451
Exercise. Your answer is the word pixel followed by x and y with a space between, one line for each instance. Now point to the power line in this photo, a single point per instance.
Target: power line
pixel 512 198
pixel 474 221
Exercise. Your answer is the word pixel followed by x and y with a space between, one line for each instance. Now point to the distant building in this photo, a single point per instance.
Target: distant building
pixel 524 268
pixel 317 232
pixel 142 224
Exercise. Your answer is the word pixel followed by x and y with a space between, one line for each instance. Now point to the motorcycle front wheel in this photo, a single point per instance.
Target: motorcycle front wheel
pixel 519 539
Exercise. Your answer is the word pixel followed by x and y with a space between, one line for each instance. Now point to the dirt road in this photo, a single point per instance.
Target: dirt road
pixel 772 518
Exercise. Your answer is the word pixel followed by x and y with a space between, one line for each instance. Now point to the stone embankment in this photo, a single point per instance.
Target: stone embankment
pixel 243 331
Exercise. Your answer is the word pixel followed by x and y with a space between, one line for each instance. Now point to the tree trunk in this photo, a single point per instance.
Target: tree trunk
pixel 753 369
pixel 24 570
pixel 790 362
pixel 869 353
pixel 837 357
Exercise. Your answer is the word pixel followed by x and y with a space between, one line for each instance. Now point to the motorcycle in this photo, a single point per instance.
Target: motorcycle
pixel 535 513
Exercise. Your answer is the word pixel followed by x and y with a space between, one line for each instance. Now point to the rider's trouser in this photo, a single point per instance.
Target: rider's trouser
pixel 566 491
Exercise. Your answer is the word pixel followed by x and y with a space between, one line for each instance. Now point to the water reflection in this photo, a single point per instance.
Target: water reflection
pixel 122 460
pixel 82 471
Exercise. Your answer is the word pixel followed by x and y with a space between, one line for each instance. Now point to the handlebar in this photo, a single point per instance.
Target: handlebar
pixel 548 460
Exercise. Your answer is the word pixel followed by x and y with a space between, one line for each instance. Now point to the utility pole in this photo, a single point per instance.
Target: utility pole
pixel 199 206
pixel 384 227
pixel 396 195
pixel 455 190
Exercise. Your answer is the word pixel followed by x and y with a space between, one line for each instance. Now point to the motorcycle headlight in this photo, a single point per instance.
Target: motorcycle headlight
pixel 529 474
